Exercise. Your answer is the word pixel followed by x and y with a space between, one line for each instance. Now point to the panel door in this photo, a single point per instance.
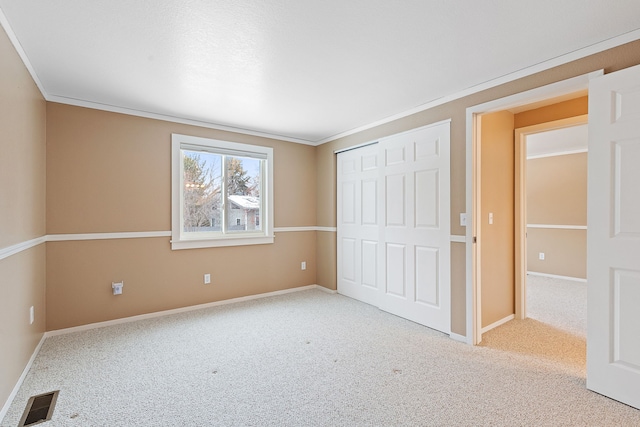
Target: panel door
pixel 613 237
pixel 358 224
pixel 415 228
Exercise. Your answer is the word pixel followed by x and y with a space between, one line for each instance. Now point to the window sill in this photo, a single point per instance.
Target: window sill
pixel 222 242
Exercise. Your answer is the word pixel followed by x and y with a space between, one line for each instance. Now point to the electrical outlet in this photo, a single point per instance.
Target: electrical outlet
pixel 303 265
pixel 207 279
pixel 117 287
pixel 31 315
pixel 541 256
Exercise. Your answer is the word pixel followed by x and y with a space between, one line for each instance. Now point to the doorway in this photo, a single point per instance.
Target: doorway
pixel 613 367
pixel 551 220
pixel 548 158
pixel 482 219
pixel 512 145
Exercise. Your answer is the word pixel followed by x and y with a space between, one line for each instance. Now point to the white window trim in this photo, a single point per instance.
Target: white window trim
pixel 266 236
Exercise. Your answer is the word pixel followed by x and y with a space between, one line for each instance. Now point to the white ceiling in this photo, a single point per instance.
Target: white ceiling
pixel 297 69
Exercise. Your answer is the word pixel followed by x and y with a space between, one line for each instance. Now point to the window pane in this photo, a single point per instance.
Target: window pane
pixel 243 189
pixel 202 191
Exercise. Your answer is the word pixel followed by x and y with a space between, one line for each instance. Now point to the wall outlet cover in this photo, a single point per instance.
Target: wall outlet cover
pixel 117 287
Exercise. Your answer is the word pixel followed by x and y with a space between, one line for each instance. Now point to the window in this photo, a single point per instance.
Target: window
pixel 219 191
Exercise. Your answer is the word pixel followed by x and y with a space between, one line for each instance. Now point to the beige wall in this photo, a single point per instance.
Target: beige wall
pixel 497 239
pixel 557 190
pixel 565 252
pixel 109 172
pixel 326 216
pixel 79 275
pixel 22 215
pixel 611 60
pixel 558 111
pixel 557 195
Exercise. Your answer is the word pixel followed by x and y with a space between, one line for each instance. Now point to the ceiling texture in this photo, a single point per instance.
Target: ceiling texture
pixel 299 70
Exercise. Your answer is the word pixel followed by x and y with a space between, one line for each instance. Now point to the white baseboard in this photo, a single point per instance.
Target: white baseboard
pixel 180 310
pixel 457 337
pixel 13 393
pixel 498 323
pixel 555 276
pixel 327 290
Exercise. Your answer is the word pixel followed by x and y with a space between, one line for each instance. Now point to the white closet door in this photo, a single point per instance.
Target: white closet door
pixel 613 240
pixel 393 225
pixel 358 224
pixel 415 229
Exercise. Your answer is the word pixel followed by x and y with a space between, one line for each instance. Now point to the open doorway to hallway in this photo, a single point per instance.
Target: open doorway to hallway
pixel 555 196
pixel 613 209
pixel 549 235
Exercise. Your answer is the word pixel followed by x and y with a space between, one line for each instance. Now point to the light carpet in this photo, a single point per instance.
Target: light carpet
pixel 301 359
pixel 555 328
pixel 559 303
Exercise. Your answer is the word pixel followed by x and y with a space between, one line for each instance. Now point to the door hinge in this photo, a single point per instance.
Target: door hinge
pixel 475 239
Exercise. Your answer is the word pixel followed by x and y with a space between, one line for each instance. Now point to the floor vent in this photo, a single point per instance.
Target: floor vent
pixel 39 409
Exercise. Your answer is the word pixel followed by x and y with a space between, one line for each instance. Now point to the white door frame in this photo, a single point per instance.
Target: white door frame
pixel 520 140
pixel 473 196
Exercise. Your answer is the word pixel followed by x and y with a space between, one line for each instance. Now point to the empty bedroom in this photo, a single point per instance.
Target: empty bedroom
pixel 265 213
